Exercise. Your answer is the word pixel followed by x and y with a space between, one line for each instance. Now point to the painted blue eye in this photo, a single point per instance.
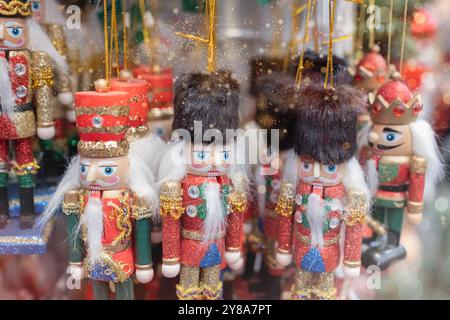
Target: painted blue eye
pixel 35 6
pixel 306 165
pixel 83 169
pixel 108 171
pixel 226 155
pixel 331 168
pixel 391 137
pixel 15 32
pixel 200 155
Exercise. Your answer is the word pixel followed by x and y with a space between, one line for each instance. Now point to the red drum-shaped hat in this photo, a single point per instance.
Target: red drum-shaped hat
pixel 138 103
pixel 102 121
pixel 160 86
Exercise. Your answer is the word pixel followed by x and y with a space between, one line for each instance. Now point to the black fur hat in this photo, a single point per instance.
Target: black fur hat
pixel 326 125
pixel 275 106
pixel 260 66
pixel 211 98
pixel 315 67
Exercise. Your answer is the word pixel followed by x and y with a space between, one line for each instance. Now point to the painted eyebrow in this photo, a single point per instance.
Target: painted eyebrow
pixel 84 162
pixel 107 164
pixel 387 129
pixel 13 23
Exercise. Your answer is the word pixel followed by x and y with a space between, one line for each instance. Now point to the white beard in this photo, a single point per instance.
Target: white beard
pixel 6 95
pixel 215 220
pixel 315 214
pixel 372 176
pixel 92 219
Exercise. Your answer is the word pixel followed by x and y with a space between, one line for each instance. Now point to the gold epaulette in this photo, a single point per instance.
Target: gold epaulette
pixel 418 165
pixel 71 203
pixel 356 208
pixel 140 209
pixel 238 198
pixel 285 203
pixel 42 73
pixel 171 200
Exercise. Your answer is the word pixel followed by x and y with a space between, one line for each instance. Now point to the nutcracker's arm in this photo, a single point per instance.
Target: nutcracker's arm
pixel 418 168
pixel 141 212
pixel 71 210
pixel 285 209
pixel 171 210
pixel 356 211
pixel 42 81
pixel 238 205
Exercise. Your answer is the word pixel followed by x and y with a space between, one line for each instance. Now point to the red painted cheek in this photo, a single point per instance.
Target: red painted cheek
pixel 334 176
pixel 113 179
pixel 198 165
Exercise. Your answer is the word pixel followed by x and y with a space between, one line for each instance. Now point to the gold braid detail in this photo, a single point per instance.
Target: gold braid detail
pixel 123 222
pixel 356 208
pixel 171 200
pixel 285 203
pixel 15 7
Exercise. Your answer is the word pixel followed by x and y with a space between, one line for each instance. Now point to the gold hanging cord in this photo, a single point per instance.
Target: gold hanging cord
pixel 125 38
pixel 298 77
pixel 295 12
pixel 211 40
pixel 105 34
pixel 402 52
pixel 114 37
pixel 391 10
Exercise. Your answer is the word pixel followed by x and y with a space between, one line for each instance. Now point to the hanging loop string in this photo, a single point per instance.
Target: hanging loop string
pixel 295 12
pixel 210 12
pixel 105 34
pixel 298 77
pixel 114 36
pixel 402 52
pixel 125 38
pixel 329 71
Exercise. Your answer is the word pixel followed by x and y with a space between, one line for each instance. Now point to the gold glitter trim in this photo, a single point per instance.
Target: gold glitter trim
pixel 283 251
pixel 26 168
pixel 307 240
pixel 356 208
pixel 45 106
pixel 238 202
pixel 70 208
pixel 123 222
pixel 103 149
pixel 160 113
pixel 187 293
pixel 138 132
pixel 144 266
pixel 352 264
pixel 418 165
pixel 285 204
pixel 414 207
pixel 197 235
pixel 114 266
pixel 115 111
pixel 15 7
pixel 211 292
pixel 170 262
pixel 112 129
pixel 231 249
pixel 171 200
pixel 30 241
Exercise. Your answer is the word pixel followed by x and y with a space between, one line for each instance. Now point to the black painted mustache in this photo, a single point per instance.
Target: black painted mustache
pixel 383 147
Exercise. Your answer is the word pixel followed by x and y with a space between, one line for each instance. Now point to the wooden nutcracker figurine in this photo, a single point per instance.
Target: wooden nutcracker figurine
pixel 203 191
pixel 405 161
pixel 26 80
pixel 323 191
pixel 107 197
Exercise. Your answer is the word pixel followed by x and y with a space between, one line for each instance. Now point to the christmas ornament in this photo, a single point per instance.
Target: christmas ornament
pixel 107 197
pixel 26 80
pixel 203 191
pixel 405 162
pixel 323 191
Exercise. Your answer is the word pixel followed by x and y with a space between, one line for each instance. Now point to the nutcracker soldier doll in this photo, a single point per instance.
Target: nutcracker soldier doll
pixel 49 14
pixel 405 162
pixel 107 197
pixel 323 196
pixel 203 198
pixel 26 80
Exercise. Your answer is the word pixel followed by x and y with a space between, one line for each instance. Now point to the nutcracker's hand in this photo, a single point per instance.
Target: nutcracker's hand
pixel 351 272
pixel 46 133
pixel 70 115
pixel 170 270
pixel 284 259
pixel 413 218
pixel 65 98
pixel 144 275
pixel 156 237
pixel 238 265
pixel 231 257
pixel 76 271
